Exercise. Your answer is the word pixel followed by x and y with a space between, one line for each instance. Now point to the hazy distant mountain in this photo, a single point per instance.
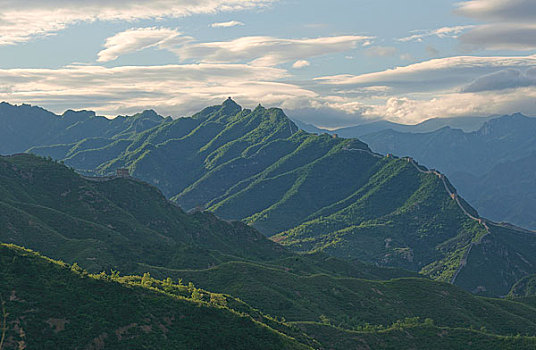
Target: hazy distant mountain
pixel 507 192
pixel 316 193
pixel 466 124
pixel 309 127
pixel 504 194
pixel 26 126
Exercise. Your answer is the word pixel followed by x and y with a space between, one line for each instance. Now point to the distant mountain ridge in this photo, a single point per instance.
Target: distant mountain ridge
pixel 467 124
pixel 492 167
pixel 46 128
pixel 313 193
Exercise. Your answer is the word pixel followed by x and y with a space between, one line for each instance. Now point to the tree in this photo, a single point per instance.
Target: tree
pixel 218 299
pixel 146 280
pixel 196 295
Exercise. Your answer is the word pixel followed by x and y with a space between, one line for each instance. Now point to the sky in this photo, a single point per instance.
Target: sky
pixel 329 63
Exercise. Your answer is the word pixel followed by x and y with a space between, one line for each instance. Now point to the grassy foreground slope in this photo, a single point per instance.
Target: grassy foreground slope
pixel 413 334
pixel 351 303
pixel 47 304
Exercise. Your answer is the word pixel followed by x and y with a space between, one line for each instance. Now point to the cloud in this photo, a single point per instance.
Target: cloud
pixel 180 90
pixel 512 24
pixel 226 24
pixel 21 21
pixel 301 64
pixel 137 39
pixel 444 32
pixel 412 110
pixel 172 89
pixel 504 79
pixel 499 10
pixel 266 50
pixel 447 87
pixel 381 51
pixel 259 50
pixel 432 75
pixel 336 111
pixel 502 36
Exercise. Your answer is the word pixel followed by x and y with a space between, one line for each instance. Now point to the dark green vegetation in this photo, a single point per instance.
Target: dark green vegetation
pixel 497 176
pixel 352 303
pixel 413 334
pixel 311 193
pixel 50 305
pixel 526 287
pixel 127 225
pixel 117 223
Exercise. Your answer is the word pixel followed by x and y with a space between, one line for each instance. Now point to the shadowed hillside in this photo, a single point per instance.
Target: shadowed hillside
pixel 127 225
pixel 49 305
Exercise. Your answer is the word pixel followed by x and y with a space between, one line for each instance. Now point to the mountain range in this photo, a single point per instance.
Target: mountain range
pixel 493 167
pixel 194 281
pixel 467 124
pixel 310 193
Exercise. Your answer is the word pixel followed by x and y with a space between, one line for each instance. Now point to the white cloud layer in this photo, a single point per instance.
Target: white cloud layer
pixel 22 20
pixel 499 10
pixel 444 32
pixel 502 36
pixel 504 79
pixel 266 50
pixel 414 110
pixel 184 89
pixel 512 24
pixel 226 24
pixel 436 74
pixel 138 39
pixel 448 87
pixel 259 50
pixel 171 89
pixel 301 64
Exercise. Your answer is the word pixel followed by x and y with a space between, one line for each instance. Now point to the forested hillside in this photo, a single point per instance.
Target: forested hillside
pixel 127 227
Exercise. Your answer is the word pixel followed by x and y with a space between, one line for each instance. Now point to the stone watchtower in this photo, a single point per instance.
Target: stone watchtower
pixel 122 172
